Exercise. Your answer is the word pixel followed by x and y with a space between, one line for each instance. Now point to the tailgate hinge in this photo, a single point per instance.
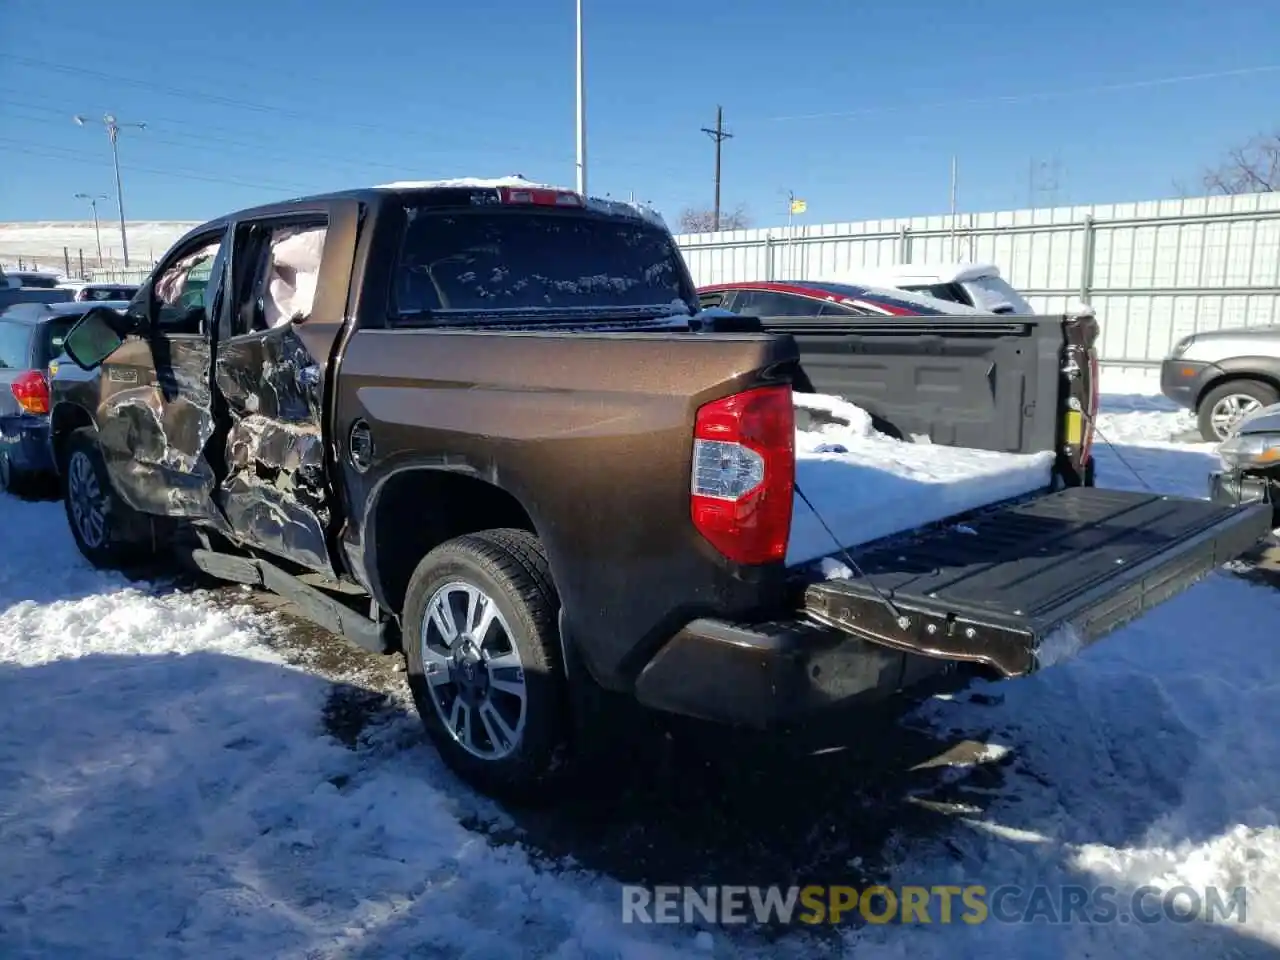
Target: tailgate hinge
pixel 939 634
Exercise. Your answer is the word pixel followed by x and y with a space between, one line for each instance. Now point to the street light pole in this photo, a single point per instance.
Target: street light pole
pixel 113 134
pixel 582 110
pixel 93 202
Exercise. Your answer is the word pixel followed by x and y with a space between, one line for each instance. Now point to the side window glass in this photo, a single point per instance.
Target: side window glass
pixel 183 289
pixel 769 304
pixel 833 309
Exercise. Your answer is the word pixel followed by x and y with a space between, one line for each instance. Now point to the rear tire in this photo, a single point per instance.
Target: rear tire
pixel 26 484
pixel 1233 398
pixel 105 528
pixel 493 700
pixel 11 481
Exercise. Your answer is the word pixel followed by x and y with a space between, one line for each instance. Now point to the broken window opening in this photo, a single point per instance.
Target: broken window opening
pixel 292 273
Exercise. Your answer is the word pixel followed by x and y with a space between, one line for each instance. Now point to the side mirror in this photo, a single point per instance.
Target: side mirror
pixel 95 337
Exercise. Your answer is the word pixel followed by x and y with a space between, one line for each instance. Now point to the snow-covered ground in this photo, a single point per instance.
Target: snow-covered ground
pixel 168 788
pixel 43 241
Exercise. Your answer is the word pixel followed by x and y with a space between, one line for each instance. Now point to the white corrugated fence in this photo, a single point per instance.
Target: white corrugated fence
pixel 1154 271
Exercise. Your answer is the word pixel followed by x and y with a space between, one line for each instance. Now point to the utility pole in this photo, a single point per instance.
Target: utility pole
pixel 113 134
pixel 954 174
pixel 1043 177
pixel 93 202
pixel 719 135
pixel 582 111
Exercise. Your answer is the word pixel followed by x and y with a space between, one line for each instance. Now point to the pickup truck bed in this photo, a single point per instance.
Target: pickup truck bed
pixel 985 383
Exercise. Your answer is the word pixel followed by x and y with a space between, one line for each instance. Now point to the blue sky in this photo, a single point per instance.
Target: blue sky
pixel 855 106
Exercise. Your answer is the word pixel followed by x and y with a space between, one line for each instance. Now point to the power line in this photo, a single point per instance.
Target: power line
pixel 212 135
pixel 320 119
pixel 1035 97
pixel 55 152
pixel 180 92
pixel 190 141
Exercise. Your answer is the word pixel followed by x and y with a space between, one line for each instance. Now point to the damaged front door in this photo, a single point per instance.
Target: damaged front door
pixel 274 494
pixel 155 416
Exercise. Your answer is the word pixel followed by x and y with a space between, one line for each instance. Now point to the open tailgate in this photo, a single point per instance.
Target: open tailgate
pixel 1026 585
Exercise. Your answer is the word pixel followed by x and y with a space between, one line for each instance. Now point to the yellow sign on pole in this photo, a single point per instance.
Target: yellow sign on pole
pixel 799 206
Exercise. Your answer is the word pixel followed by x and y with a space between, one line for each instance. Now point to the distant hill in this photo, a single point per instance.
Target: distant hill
pixel 40 243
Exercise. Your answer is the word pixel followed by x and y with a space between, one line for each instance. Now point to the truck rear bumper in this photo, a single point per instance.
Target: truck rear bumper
pixel 1235 487
pixel 764 675
pixel 1016 589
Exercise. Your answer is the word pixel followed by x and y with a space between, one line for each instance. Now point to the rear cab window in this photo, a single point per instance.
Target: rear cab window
pixel 15 345
pixel 493 263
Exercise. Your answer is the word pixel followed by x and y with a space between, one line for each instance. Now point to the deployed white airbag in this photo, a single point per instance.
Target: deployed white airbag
pixel 295 267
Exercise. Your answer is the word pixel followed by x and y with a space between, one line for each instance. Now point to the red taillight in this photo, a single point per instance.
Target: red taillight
pixel 31 390
pixel 744 469
pixel 540 196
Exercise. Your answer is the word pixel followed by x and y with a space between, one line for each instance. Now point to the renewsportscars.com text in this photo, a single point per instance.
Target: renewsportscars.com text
pixel 934 904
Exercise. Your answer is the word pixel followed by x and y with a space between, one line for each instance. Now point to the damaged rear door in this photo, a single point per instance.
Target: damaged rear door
pixel 1024 585
pixel 270 372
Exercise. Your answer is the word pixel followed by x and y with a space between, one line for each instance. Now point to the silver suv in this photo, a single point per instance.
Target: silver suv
pixel 1223 375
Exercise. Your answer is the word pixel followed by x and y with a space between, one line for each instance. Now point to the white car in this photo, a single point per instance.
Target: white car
pixel 977 285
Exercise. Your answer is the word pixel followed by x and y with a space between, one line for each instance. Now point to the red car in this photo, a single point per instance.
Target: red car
pixel 802 299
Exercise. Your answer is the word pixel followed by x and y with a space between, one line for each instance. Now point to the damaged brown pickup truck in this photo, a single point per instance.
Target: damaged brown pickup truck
pixel 482 425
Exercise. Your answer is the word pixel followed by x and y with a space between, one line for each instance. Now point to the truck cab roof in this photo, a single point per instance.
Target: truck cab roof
pixel 463 192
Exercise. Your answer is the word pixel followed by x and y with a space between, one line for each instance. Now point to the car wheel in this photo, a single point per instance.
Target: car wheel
pixel 1222 407
pixel 100 521
pixel 9 483
pixel 484 663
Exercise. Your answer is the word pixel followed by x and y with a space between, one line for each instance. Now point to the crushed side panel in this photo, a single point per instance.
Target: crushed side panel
pixel 273 493
pixel 155 420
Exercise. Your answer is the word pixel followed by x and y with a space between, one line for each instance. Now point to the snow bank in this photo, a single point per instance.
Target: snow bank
pixel 167 790
pixel 43 241
pixel 865 485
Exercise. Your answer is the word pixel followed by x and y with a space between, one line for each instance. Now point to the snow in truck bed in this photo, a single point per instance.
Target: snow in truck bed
pixel 866 485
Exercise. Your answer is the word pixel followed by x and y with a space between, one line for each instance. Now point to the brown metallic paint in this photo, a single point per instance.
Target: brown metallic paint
pixel 592 434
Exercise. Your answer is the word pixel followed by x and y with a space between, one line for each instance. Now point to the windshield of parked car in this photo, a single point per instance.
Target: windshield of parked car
pixel 951 292
pixel 109 293
pixel 521 261
pixel 995 294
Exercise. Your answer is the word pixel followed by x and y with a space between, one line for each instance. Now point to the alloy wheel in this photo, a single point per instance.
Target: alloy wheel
pixel 1228 411
pixel 86 500
pixel 473 670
